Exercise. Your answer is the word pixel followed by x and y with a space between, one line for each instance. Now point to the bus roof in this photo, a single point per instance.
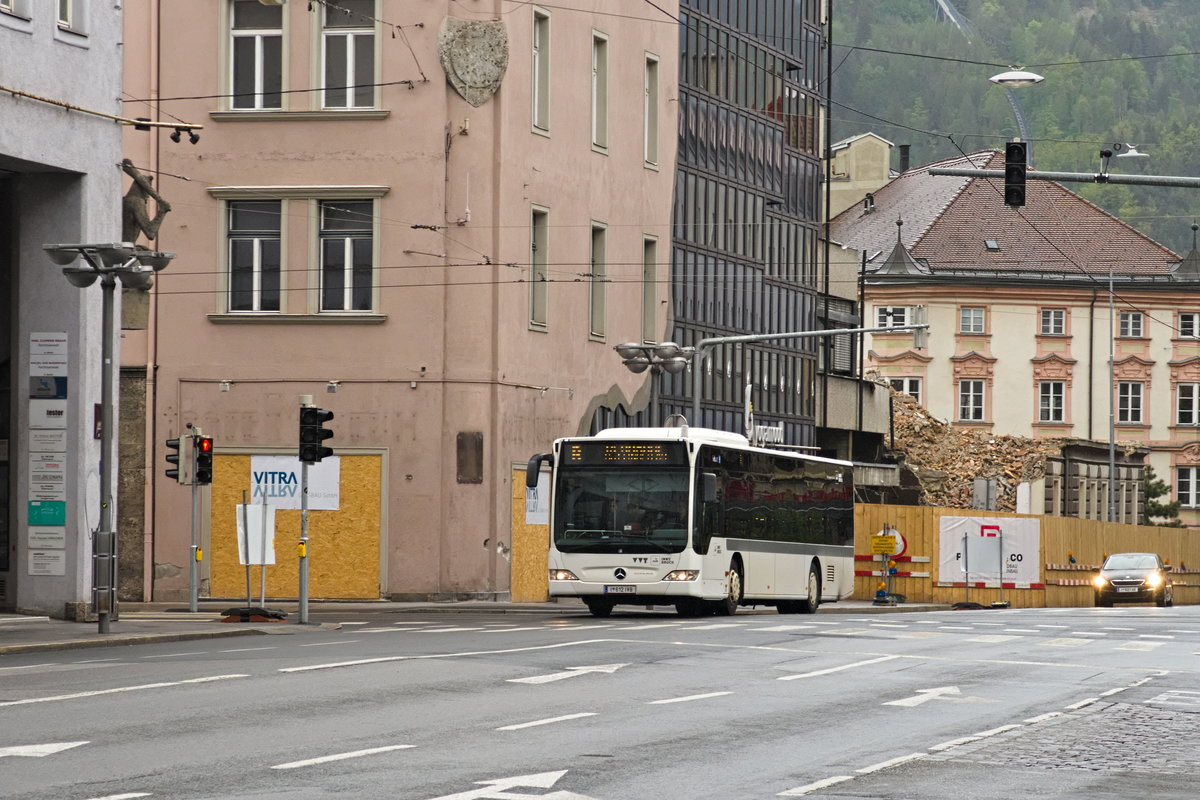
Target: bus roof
pixel 701 436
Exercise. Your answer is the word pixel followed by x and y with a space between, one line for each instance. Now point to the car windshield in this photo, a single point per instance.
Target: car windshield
pixel 1131 561
pixel 621 511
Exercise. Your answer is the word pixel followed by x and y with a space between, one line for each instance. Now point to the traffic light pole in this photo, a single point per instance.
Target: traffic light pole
pixel 1075 177
pixel 194 566
pixel 305 402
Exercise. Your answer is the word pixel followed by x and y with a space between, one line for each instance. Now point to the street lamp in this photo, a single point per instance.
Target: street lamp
pixel 135 267
pixel 658 357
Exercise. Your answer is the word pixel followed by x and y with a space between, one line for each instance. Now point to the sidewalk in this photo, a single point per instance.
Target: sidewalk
pixel 144 623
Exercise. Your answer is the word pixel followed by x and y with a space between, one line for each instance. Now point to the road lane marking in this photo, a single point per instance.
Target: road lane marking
pixel 975 737
pixel 1052 626
pixel 30 666
pixel 652 625
pixel 1065 642
pixel 38 750
pixel 992 638
pixel 831 670
pixel 1120 629
pixel 126 796
pixel 1043 717
pixel 687 699
pixel 785 628
pixel 1082 703
pixel 1021 630
pixel 118 690
pixel 179 655
pixel 1088 633
pixel 326 644
pixel 308 762
pixel 386 659
pixel 363 622
pixel 247 649
pixel 548 721
pixel 715 626
pixel 1143 647
pixel 957 628
pixel 891 762
pixel 1154 636
pixel 570 672
pixel 812 787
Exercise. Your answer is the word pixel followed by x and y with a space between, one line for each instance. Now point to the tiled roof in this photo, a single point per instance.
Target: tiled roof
pixel 947 221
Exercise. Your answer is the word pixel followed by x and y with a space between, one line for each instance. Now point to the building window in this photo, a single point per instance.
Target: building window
pixel 1129 402
pixel 599 90
pixel 349 54
pixel 347 255
pixel 598 284
pixel 1050 401
pixel 649 288
pixel 254 260
pixel 970 320
pixel 66 13
pixel 1131 325
pixel 540 70
pixel 538 267
pixel 1189 325
pixel 257 55
pixel 892 316
pixel 1187 486
pixel 1187 404
pixel 970 400
pixel 650 110
pixel 1054 322
pixel 909 386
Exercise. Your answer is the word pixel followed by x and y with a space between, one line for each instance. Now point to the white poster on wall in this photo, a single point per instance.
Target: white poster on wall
pixel 537 502
pixel 277 479
pixel 976 549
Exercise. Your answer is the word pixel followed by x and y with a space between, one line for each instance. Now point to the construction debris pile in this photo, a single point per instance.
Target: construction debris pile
pixel 946 460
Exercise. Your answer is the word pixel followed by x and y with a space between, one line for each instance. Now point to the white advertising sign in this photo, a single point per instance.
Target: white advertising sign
pixel 991 548
pixel 45 414
pixel 537 502
pixel 48 344
pixel 47 562
pixel 277 479
pixel 51 537
pixel 261 536
pixel 47 441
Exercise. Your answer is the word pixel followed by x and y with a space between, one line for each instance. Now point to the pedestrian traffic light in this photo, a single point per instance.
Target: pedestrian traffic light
pixel 1014 173
pixel 313 432
pixel 204 460
pixel 181 459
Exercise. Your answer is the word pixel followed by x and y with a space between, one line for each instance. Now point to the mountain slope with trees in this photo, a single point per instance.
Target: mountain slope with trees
pixel 1123 71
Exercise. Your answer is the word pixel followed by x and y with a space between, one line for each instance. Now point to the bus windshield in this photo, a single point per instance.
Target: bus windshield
pixel 621 510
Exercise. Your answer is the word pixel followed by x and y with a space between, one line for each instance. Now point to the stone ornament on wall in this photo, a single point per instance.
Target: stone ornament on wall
pixel 1053 367
pixel 1189 454
pixel 474 56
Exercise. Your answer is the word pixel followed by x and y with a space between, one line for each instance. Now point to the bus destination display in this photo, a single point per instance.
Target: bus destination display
pixel 593 452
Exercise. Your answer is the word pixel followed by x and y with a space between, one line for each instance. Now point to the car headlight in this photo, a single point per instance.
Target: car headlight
pixel 682 575
pixel 1100 581
pixel 562 575
pixel 1154 580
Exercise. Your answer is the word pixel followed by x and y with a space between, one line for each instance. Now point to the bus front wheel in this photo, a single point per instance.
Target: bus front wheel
pixel 733 595
pixel 810 605
pixel 600 608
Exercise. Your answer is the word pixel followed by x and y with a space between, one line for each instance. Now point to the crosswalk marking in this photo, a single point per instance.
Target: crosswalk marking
pixel 1141 647
pixel 992 638
pixel 1065 642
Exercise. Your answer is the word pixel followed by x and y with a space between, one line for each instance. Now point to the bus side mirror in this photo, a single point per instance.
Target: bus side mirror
pixel 708 487
pixel 535 467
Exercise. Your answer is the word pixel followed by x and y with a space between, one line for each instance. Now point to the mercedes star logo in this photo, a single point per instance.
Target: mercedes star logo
pixel 619 574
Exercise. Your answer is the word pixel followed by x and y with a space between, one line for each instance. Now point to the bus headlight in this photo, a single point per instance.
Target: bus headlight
pixel 682 575
pixel 562 575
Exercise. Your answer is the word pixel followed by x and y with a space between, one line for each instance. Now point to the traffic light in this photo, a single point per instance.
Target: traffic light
pixel 1014 173
pixel 313 432
pixel 204 460
pixel 181 459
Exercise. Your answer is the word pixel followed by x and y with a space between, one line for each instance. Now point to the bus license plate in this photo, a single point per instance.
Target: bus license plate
pixel 620 590
pixel 1127 588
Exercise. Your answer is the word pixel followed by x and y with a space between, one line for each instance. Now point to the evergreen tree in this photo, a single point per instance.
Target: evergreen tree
pixel 1153 509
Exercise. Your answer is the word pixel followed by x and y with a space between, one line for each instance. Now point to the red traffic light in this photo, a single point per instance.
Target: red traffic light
pixel 204 444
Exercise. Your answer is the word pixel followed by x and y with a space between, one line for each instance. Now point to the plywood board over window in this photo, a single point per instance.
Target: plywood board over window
pixel 344 545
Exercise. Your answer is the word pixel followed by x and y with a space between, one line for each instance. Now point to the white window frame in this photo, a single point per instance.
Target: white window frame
pixel 598 283
pixel 259 35
pixel 17 8
pixel 256 267
pixel 357 37
pixel 1131 400
pixel 971 399
pixel 649 288
pixel 892 316
pixel 972 319
pixel 1189 325
pixel 539 276
pixel 908 385
pixel 1052 401
pixel 650 91
pixel 348 239
pixel 1187 486
pixel 540 71
pixel 1187 404
pixel 66 14
pixel 599 91
pixel 1053 322
pixel 1131 325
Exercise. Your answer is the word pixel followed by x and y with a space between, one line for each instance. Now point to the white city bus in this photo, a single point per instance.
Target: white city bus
pixel 698 519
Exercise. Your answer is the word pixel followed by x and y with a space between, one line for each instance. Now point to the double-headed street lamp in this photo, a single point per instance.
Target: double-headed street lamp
pixel 658 357
pixel 135 268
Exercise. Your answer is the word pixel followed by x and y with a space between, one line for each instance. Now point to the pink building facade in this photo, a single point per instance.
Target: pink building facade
pixel 434 218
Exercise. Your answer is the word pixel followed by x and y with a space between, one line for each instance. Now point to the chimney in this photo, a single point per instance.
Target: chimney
pixel 904 157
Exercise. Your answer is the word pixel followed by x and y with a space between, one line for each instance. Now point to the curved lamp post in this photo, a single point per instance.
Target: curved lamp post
pixel 658 357
pixel 135 268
